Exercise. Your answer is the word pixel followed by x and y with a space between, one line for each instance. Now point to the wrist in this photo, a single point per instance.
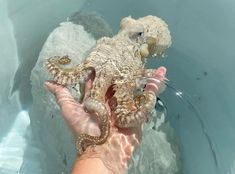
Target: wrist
pixel 89 166
pixel 115 154
pixel 111 159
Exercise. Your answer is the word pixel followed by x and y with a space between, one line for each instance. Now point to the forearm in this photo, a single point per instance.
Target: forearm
pixel 112 157
pixel 90 166
pixel 103 159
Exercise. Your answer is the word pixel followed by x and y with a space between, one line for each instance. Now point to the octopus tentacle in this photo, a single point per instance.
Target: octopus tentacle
pixel 127 118
pixel 65 76
pixel 131 110
pixel 102 114
pixel 95 103
pixel 144 102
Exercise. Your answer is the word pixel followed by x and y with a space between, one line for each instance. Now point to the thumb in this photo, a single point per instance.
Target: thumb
pixel 53 87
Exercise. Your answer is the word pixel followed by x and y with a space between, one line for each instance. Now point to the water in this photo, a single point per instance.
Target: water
pixel 200 65
pixel 185 102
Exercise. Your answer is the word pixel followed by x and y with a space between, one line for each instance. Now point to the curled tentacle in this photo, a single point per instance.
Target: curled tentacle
pixel 144 102
pixel 99 109
pixel 127 118
pixel 65 76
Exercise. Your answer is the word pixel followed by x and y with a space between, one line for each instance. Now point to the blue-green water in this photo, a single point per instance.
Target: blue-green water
pixel 200 66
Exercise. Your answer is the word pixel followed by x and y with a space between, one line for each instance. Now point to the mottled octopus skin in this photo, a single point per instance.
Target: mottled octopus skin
pixel 118 62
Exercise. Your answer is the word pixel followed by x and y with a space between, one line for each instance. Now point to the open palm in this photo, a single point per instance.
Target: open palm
pixel 120 141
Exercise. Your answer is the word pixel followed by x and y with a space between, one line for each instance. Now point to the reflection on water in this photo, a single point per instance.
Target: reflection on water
pixel 185 101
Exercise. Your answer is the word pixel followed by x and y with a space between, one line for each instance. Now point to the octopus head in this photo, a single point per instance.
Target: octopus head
pixel 150 33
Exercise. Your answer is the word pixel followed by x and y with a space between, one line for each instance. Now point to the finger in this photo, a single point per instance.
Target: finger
pixel 156 83
pixel 70 108
pixel 160 72
pixel 78 120
pixel 62 94
pixel 53 87
pixel 88 83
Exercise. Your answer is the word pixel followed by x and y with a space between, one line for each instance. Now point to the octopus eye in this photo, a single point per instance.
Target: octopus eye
pixel 136 35
pixel 140 33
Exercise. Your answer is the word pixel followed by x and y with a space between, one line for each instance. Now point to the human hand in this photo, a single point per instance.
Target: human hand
pixel 78 120
pixel 121 143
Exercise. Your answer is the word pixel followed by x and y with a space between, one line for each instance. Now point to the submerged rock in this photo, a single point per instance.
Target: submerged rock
pixel 49 131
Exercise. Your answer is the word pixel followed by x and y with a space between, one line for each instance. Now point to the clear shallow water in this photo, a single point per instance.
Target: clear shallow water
pixel 188 108
pixel 200 64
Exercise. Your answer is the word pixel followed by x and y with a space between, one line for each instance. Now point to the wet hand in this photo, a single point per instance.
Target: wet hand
pixel 121 142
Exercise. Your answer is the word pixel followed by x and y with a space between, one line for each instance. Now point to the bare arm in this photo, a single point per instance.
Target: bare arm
pixel 89 166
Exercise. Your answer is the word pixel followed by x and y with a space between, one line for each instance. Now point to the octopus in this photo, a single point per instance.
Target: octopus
pixel 118 63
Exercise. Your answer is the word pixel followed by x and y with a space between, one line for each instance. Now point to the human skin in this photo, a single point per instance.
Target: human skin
pixel 114 155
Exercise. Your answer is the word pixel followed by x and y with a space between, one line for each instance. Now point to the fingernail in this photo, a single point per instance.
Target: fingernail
pixel 161 71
